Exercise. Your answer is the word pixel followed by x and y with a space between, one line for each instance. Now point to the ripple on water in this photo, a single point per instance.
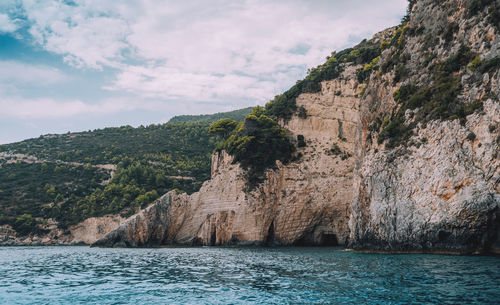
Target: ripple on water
pixel 52 275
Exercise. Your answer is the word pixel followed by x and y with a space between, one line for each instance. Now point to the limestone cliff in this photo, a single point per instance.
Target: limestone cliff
pixel 441 192
pixel 378 172
pixel 86 232
pixel 303 203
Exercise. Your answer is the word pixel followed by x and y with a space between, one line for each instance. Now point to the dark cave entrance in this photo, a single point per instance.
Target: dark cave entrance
pixel 329 240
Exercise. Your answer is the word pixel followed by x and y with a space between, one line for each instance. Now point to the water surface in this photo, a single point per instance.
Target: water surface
pixel 78 275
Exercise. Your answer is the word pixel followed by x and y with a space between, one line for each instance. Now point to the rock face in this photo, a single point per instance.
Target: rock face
pixel 439 191
pixel 85 232
pixel 443 196
pixel 92 229
pixel 147 228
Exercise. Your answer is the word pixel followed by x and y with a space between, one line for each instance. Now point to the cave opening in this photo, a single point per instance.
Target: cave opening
pixel 329 240
pixel 213 237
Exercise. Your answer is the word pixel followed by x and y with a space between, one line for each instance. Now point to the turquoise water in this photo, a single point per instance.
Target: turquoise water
pixel 79 275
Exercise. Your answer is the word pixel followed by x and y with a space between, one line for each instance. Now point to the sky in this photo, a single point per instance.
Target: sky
pixel 68 65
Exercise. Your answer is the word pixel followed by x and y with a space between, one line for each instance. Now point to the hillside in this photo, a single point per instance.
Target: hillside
pixel 70 177
pixel 237 115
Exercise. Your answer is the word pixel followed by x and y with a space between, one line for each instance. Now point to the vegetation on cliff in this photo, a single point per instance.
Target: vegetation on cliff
pixel 283 106
pixel 256 144
pixel 436 96
pixel 437 101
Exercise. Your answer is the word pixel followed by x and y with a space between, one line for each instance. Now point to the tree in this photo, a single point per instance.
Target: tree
pixel 25 224
pixel 222 128
pixel 257 144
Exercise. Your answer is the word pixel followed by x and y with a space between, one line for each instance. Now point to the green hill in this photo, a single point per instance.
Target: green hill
pixel 237 115
pixel 70 177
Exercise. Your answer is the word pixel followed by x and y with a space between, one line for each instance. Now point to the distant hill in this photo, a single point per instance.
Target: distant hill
pixel 237 115
pixel 70 177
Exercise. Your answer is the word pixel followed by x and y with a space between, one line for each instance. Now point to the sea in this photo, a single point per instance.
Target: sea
pixel 217 275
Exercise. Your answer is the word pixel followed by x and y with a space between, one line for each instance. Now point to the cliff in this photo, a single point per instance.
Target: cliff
pixel 440 193
pixel 306 202
pixel 86 232
pixel 402 154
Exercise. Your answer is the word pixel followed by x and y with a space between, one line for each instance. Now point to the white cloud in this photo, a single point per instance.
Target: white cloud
pixel 87 35
pixel 175 84
pixel 204 51
pixel 23 109
pixel 48 108
pixel 6 24
pixel 15 72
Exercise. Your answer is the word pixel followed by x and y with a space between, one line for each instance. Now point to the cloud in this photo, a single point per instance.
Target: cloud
pixel 175 84
pixel 88 35
pixel 23 109
pixel 196 50
pixel 15 72
pixel 6 24
pixel 48 108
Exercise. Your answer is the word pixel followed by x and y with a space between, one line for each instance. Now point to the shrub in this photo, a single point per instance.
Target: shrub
pixel 406 17
pixel 396 131
pixel 301 141
pixel 458 60
pixel 476 6
pixel 336 149
pixel 450 31
pixel 25 224
pixel 475 63
pixel 435 102
pixel 489 65
pixel 398 39
pixel 471 136
pixel 494 17
pixel 384 45
pixel 404 92
pixel 302 112
pixel 365 72
pixel 428 59
pixel 400 73
pixel 222 128
pixel 283 106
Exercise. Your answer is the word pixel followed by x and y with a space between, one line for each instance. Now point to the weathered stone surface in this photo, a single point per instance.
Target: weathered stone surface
pixel 92 229
pixel 439 192
pixel 85 232
pixel 147 228
pixel 442 196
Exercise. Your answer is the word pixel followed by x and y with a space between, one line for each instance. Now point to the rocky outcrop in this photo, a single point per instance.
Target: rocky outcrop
pixel 443 196
pixel 92 229
pixel 437 191
pixel 85 232
pixel 147 228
